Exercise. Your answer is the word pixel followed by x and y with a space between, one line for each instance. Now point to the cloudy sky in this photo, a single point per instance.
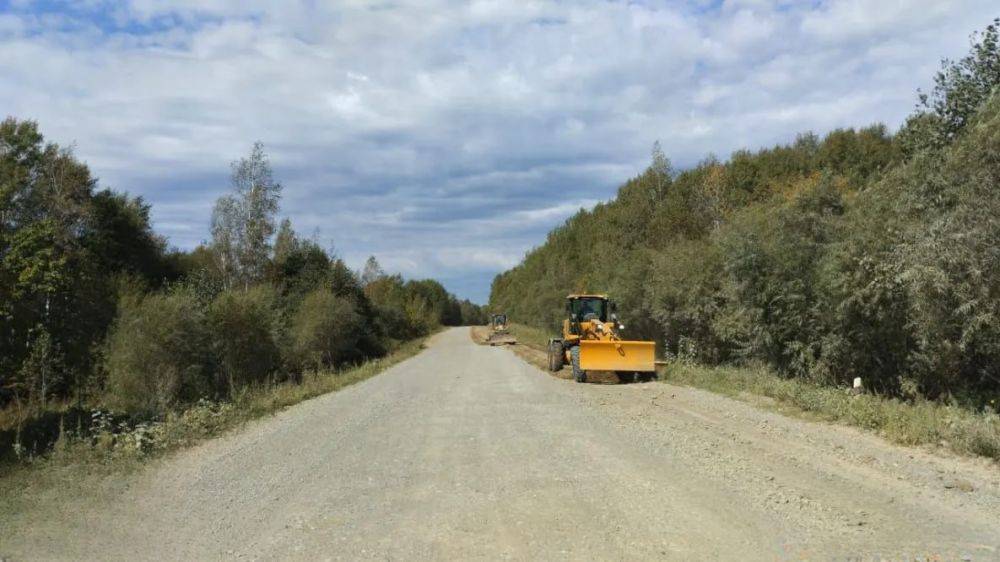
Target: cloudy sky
pixel 447 137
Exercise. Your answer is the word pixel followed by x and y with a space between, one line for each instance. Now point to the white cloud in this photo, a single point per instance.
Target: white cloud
pixel 854 19
pixel 447 137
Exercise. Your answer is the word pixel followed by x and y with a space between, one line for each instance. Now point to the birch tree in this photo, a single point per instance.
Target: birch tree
pixel 243 222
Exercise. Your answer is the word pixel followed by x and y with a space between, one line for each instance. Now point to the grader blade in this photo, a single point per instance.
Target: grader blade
pixel 501 339
pixel 612 355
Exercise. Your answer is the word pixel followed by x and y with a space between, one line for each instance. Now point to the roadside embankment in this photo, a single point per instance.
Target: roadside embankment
pixel 109 448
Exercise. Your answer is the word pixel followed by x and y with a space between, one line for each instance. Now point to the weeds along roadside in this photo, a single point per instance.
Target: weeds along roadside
pixel 112 449
pixel 919 422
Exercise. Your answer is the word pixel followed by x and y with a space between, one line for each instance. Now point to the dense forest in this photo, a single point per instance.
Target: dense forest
pixel 96 311
pixel 859 254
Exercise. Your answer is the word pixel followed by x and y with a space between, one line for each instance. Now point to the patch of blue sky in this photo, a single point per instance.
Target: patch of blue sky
pixel 109 17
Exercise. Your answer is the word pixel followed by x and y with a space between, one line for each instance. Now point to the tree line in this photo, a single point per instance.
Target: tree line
pixel 859 253
pixel 95 309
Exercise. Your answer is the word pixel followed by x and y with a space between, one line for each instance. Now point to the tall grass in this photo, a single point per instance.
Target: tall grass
pixel 531 336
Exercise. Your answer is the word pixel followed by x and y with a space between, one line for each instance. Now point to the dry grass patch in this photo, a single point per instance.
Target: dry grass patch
pixel 532 346
pixel 479 334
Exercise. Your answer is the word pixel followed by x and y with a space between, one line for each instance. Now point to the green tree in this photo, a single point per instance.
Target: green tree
pixel 660 170
pixel 121 239
pixel 372 272
pixel 960 89
pixel 243 222
pixel 49 282
pixel 247 336
pixel 325 330
pixel 286 242
pixel 159 354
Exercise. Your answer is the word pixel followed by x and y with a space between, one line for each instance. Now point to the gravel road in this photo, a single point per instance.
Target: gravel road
pixel 467 452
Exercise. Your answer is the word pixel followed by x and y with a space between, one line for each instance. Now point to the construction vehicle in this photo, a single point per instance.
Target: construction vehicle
pixel 499 332
pixel 592 342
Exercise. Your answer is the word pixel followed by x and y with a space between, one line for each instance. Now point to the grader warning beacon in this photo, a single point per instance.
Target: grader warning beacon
pixel 592 341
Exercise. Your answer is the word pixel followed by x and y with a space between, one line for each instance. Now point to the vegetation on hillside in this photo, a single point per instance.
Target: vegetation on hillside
pixel 861 253
pixel 97 312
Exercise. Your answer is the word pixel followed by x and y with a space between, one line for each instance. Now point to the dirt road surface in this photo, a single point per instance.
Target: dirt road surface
pixel 467 452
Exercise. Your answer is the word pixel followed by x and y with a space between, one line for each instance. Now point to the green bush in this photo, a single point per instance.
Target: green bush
pixel 246 331
pixel 688 277
pixel 916 280
pixel 771 257
pixel 325 330
pixel 158 354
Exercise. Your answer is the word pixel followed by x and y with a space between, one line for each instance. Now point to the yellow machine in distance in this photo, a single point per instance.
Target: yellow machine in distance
pixel 592 341
pixel 499 332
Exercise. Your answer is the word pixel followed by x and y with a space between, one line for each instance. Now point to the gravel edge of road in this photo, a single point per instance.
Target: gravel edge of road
pixel 535 354
pixel 41 485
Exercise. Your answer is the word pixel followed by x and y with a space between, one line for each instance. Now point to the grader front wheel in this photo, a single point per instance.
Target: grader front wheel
pixel 555 356
pixel 579 375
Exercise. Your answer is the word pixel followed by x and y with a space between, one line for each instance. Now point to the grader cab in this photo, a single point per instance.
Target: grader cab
pixel 592 342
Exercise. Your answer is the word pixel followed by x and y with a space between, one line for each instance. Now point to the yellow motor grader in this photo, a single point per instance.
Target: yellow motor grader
pixel 592 342
pixel 499 332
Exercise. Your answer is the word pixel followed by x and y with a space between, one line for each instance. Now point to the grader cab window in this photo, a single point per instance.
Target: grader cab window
pixel 589 307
